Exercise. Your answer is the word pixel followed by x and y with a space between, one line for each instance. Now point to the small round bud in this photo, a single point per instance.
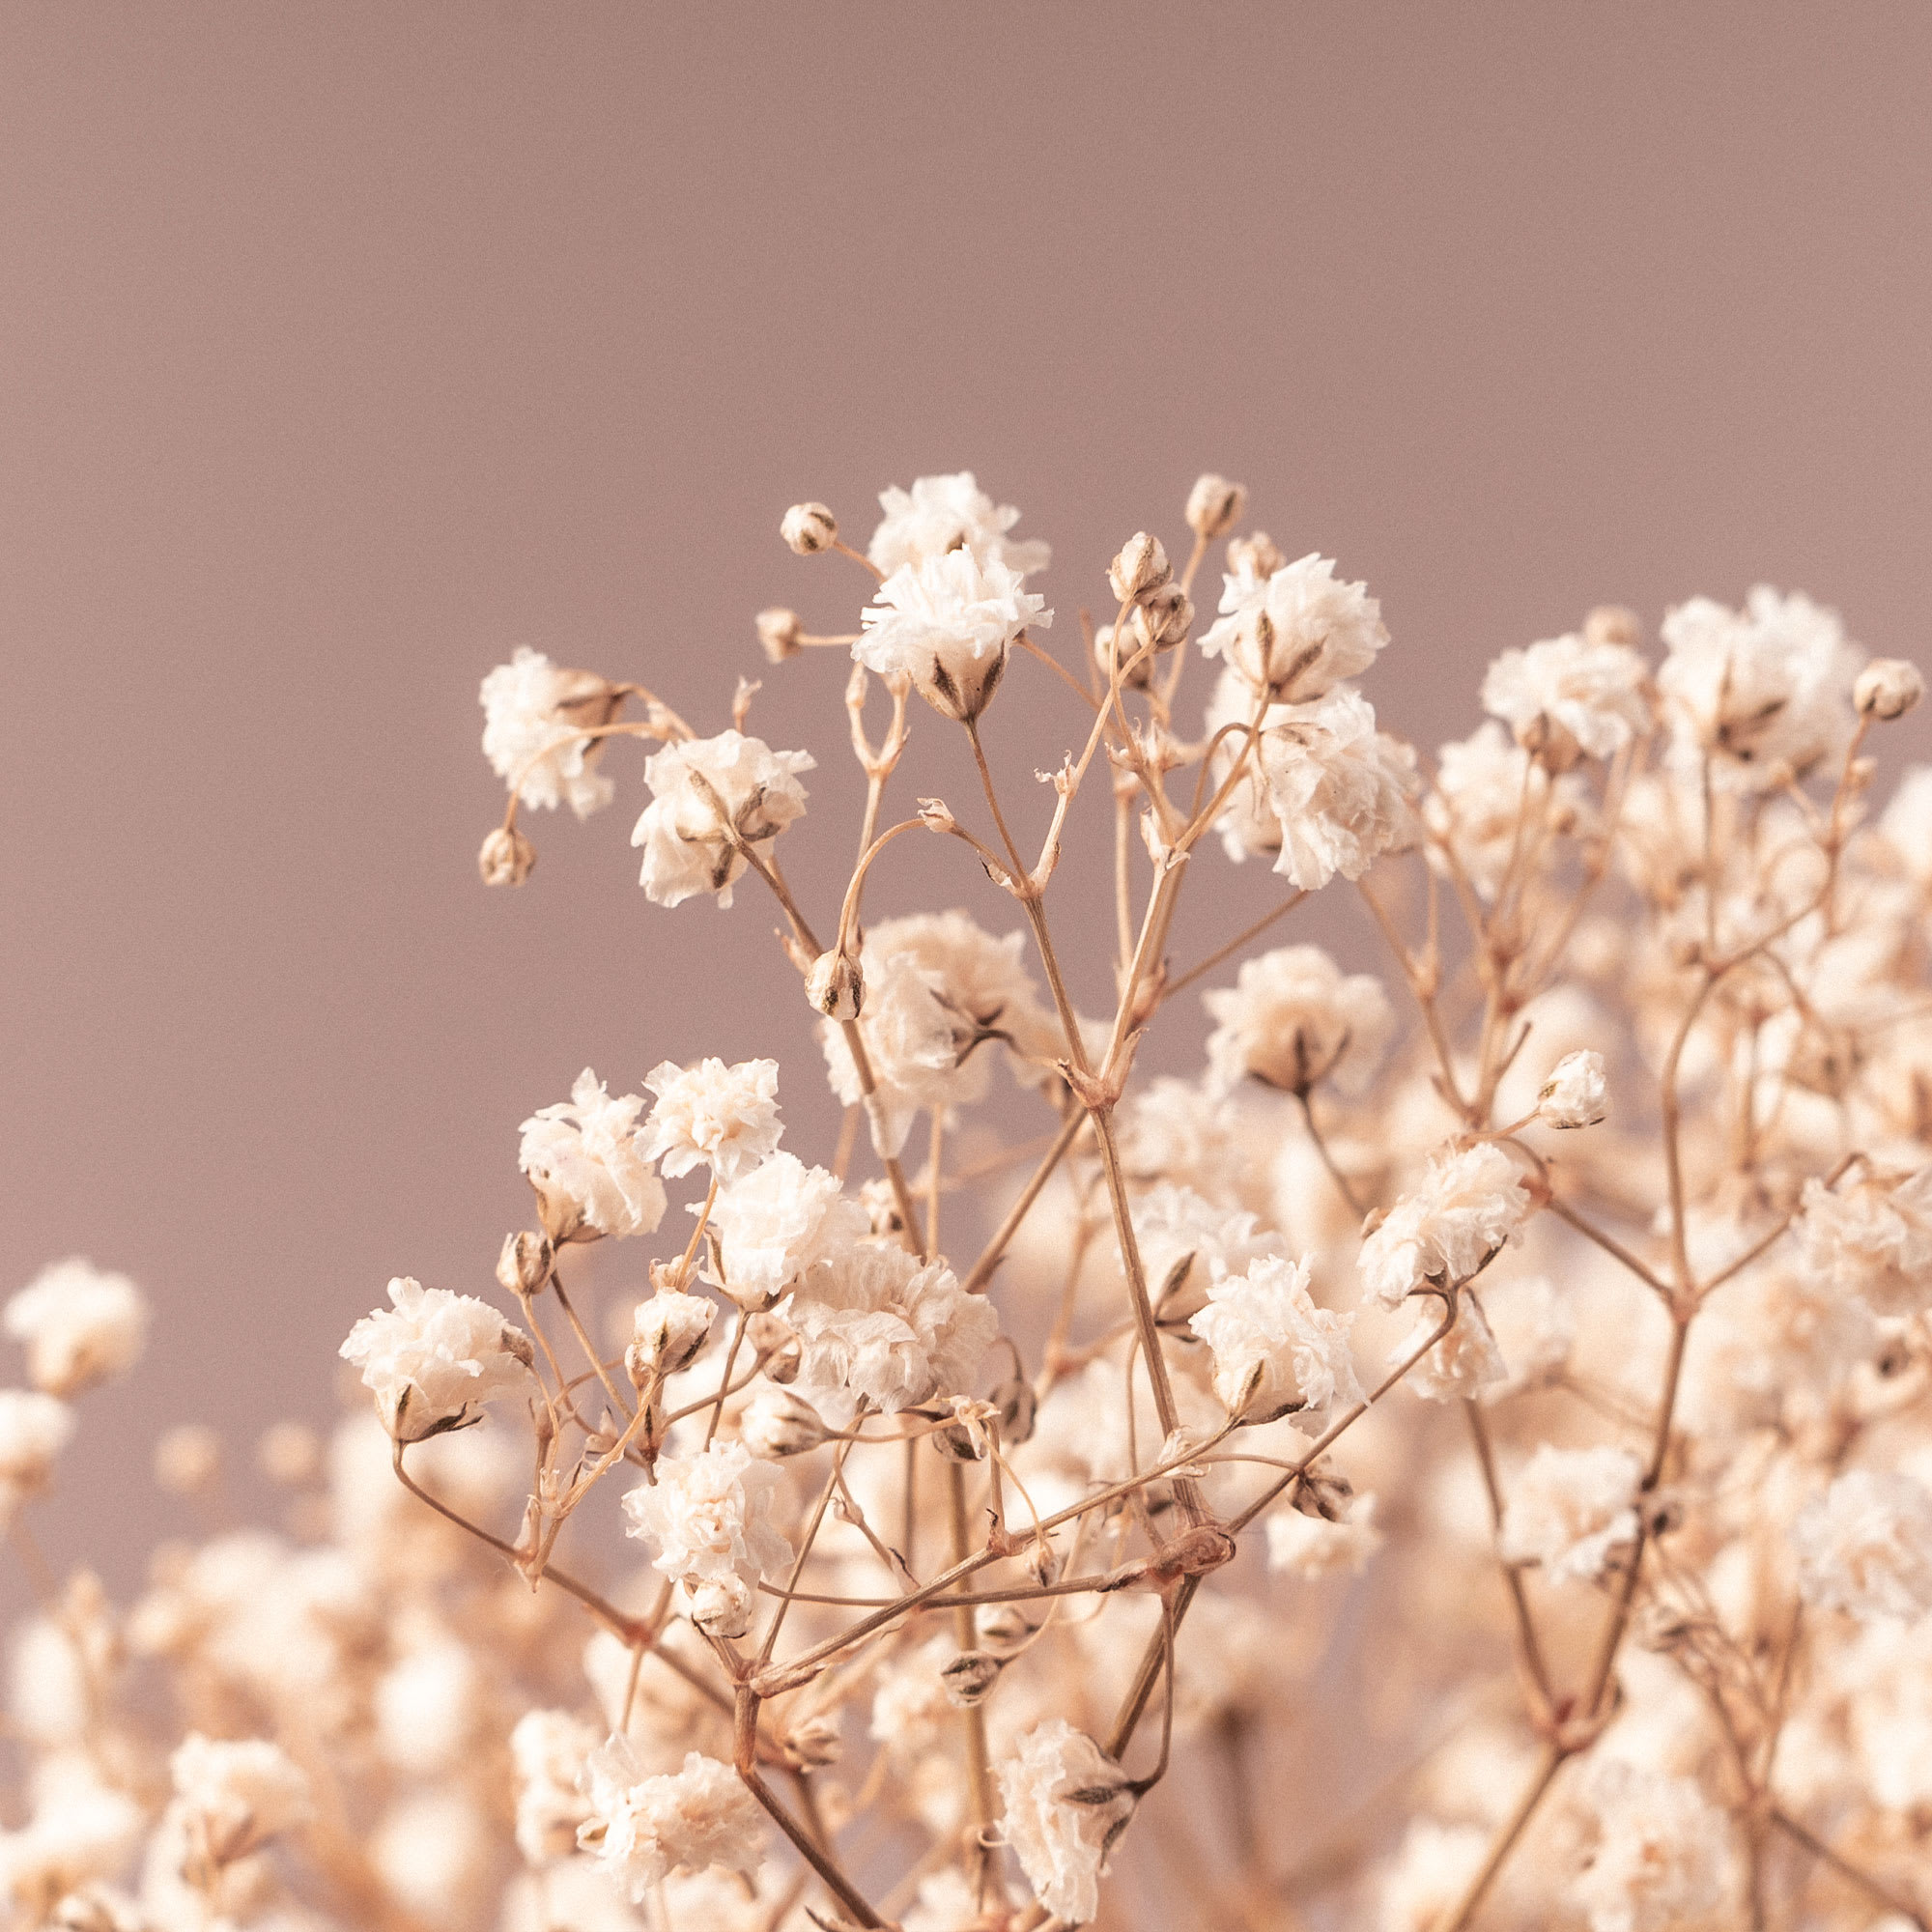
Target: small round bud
pixel 523 1267
pixel 507 857
pixel 835 986
pixel 668 1332
pixel 1164 616
pixel 970 1675
pixel 721 1605
pixel 1126 649
pixel 777 1424
pixel 776 1346
pixel 813 1743
pixel 808 529
pixel 1576 1092
pixel 1003 1627
pixel 288 1453
pixel 187 1459
pixel 778 632
pixel 1888 688
pixel 1214 505
pixel 1141 566
pixel 1613 624
pixel 1552 745
pixel 1254 556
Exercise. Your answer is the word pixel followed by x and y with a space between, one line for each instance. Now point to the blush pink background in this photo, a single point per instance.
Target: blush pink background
pixel 344 347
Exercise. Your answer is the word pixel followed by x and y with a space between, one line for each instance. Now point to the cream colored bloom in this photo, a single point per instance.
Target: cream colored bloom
pixel 1312 1547
pixel 947 623
pixel 587 1158
pixel 1294 1018
pixel 939 514
pixel 1276 1351
pixel 549 1751
pixel 710 1115
pixel 1065 1801
pixel 1568 1509
pixel 434 1360
pixel 80 1323
pixel 1469 1205
pixel 1872 1236
pixel 1593 691
pixel 534 714
pixel 1297 633
pixel 239 1794
pixel 777 1221
pixel 1662 1860
pixel 708 1516
pixel 641 1830
pixel 1865 1545
pixel 713 798
pixel 1576 1094
pixel 34 1428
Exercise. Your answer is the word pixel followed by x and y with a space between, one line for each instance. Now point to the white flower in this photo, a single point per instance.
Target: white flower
pixel 876 1323
pixel 80 1325
pixel 1337 788
pixel 709 798
pixel 1569 1508
pixel 1576 1094
pixel 1065 1801
pixel 549 1750
pixel 945 513
pixel 1873 1239
pixel 1468 1206
pixel 1276 1351
pixel 1663 1857
pixel 1173 1223
pixel 1763 692
pixel 708 1518
pixel 1294 1018
pixel 777 1221
pixel 1485 785
pixel 239 1794
pixel 710 1115
pixel 34 1428
pixel 644 1829
pixel 1461 1366
pixel 1429 1875
pixel 435 1358
pixel 1865 1545
pixel 1297 633
pixel 667 1332
pixel 947 623
pixel 586 1158
pixel 533 715
pixel 81 1830
pixel 1312 1547
pixel 1594 690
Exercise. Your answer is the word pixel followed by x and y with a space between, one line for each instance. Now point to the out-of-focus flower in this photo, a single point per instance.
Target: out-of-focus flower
pixel 1568 1509
pixel 1864 1545
pixel 534 719
pixel 1294 1018
pixel 80 1323
pixel 940 514
pixel 641 1830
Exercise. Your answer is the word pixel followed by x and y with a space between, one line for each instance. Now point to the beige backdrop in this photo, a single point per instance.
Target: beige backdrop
pixel 344 347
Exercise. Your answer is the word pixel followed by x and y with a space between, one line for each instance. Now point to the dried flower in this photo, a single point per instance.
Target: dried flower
pixel 34 1428
pixel 1872 1238
pixel 707 1516
pixel 434 1360
pixel 1576 1094
pixel 1888 688
pixel 777 1221
pixel 1569 1508
pixel 667 1332
pixel 947 623
pixel 1865 1545
pixel 1140 568
pixel 1593 691
pixel 713 801
pixel 1275 1352
pixel 587 1160
pixel 1215 506
pixel 80 1324
pixel 939 514
pixel 642 1828
pixel 710 1115
pixel 536 722
pixel 238 1795
pixel 1295 633
pixel 778 632
pixel 808 529
pixel 507 857
pixel 1469 1205
pixel 1292 1018
pixel 1065 1801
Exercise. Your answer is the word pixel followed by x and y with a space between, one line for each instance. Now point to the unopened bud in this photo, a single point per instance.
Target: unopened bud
pixel 970 1675
pixel 524 1265
pixel 779 634
pixel 666 1333
pixel 721 1605
pixel 187 1459
pixel 1552 745
pixel 1214 505
pixel 1888 688
pixel 777 1424
pixel 1117 647
pixel 1254 556
pixel 776 1346
pixel 1003 1627
pixel 507 857
pixel 1141 566
pixel 808 529
pixel 835 986
pixel 517 1345
pixel 1613 624
pixel 813 1743
pixel 1042 1561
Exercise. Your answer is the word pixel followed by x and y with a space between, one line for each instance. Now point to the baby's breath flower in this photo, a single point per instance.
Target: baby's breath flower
pixel 1276 1351
pixel 1576 1094
pixel 641 1830
pixel 1065 1801
pixel 1313 1547
pixel 947 623
pixel 708 1518
pixel 1569 1509
pixel 777 1221
pixel 667 1330
pixel 80 1325
pixel 1292 1018
pixel 534 718
pixel 808 529
pixel 1215 506
pixel 1888 688
pixel 238 1794
pixel 434 1359
pixel 587 1158
pixel 1296 632
pixel 713 799
pixel 1592 691
pixel 1471 1203
pixel 1662 1859
pixel 710 1115
pixel 1865 1545
pixel 1872 1238
pixel 939 514
pixel 549 1751
pixel 34 1428
pixel 1465 1363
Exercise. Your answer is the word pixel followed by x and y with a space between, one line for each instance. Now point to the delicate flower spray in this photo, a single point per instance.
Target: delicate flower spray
pixel 1461 1457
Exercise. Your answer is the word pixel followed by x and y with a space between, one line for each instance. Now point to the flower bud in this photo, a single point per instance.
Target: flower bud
pixel 1003 1627
pixel 187 1459
pixel 835 986
pixel 777 1424
pixel 808 529
pixel 668 1332
pixel 1552 745
pixel 1214 505
pixel 970 1675
pixel 813 1743
pixel 1888 688
pixel 1254 556
pixel 1575 1094
pixel 772 1336
pixel 507 857
pixel 1141 566
pixel 1139 663
pixel 721 1605
pixel 524 1265
pixel 777 633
